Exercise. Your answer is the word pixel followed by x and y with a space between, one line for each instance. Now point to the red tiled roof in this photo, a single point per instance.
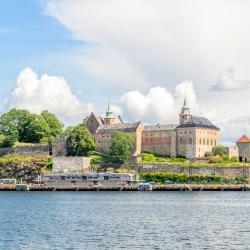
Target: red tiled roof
pixel 244 139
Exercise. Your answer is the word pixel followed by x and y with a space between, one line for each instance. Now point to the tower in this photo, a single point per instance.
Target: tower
pixel 109 119
pixel 185 112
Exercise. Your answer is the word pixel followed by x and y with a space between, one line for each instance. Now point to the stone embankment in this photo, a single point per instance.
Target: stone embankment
pixel 227 171
pixel 174 187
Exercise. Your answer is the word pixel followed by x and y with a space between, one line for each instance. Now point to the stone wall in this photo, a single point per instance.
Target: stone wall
pixel 59 147
pixel 36 150
pixel 231 172
pixel 162 142
pixel 70 164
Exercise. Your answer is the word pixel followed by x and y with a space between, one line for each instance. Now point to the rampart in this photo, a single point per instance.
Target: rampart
pixel 35 150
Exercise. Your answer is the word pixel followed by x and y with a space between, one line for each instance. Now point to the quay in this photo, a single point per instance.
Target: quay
pixel 172 187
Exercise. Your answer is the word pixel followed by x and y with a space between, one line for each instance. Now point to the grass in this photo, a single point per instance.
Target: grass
pixel 148 158
pixel 26 144
pixel 97 158
pixel 12 159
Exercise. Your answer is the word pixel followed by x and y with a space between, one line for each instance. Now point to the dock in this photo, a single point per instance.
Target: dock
pixel 171 187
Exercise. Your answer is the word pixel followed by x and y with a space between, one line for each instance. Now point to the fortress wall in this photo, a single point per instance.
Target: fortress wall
pixel 35 150
pixel 70 164
pixel 231 172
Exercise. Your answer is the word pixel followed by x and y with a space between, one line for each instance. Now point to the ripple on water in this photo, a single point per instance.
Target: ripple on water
pixel 124 220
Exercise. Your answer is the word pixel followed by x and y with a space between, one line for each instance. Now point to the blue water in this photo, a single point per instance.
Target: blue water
pixel 124 220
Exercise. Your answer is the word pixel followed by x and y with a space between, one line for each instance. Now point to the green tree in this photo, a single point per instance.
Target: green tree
pixel 21 125
pixel 8 140
pixel 37 129
pixel 80 141
pixel 121 147
pixel 220 150
pixel 56 127
pixel 68 131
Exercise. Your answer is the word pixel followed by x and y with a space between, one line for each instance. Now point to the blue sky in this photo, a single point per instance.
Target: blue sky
pixel 70 56
pixel 26 36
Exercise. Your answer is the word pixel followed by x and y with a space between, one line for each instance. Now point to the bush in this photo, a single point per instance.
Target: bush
pixel 208 154
pixel 219 150
pixel 160 177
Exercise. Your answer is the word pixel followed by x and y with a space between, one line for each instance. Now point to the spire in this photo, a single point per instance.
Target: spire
pixel 185 107
pixel 109 113
pixel 185 104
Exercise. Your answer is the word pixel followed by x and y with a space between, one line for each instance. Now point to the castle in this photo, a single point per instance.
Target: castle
pixel 191 138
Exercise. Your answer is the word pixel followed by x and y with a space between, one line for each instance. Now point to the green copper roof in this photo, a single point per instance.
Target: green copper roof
pixel 109 113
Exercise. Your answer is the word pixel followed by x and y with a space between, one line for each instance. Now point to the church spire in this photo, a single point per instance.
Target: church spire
pixel 185 112
pixel 185 108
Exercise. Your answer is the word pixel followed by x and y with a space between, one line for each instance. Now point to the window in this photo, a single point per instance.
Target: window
pixel 204 141
pixel 181 140
pixel 215 142
pixel 190 132
pixel 190 141
pixel 207 141
pixel 200 141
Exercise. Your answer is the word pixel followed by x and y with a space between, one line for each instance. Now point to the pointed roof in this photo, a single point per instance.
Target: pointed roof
pixel 185 108
pixel 185 104
pixel 243 139
pixel 125 127
pixel 198 122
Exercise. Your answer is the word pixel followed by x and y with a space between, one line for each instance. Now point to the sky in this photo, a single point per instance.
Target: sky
pixel 142 56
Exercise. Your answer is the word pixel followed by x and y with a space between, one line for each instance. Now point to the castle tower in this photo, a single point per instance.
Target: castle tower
pixel 185 112
pixel 109 119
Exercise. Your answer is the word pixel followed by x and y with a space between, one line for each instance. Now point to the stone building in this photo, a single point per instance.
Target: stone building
pixel 102 129
pixel 243 145
pixel 159 139
pixel 195 135
pixel 191 138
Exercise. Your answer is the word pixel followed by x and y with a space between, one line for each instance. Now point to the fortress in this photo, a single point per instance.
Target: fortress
pixel 191 138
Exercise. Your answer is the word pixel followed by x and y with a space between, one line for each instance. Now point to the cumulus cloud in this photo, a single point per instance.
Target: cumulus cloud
pixel 226 81
pixel 139 44
pixel 47 92
pixel 159 104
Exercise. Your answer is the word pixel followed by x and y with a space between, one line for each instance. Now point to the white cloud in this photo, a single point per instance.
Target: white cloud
pixel 159 104
pixel 139 44
pixel 48 92
pixel 226 81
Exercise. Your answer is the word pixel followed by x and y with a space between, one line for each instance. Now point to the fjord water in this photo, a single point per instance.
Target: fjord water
pixel 124 220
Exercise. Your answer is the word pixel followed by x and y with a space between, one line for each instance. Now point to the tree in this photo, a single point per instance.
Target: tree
pixel 56 127
pixel 68 131
pixel 80 141
pixel 121 147
pixel 220 150
pixel 18 120
pixel 23 126
pixel 8 140
pixel 37 129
